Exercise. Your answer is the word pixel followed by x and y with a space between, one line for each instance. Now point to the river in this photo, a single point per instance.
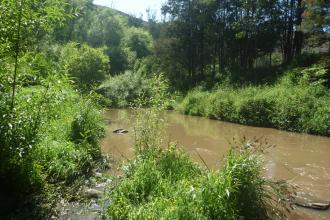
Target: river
pixel 303 160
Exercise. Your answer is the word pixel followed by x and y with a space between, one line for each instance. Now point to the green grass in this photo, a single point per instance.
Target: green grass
pixel 299 101
pixel 168 185
pixel 69 146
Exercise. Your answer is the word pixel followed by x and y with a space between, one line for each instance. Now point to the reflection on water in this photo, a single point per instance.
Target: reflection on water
pixel 302 159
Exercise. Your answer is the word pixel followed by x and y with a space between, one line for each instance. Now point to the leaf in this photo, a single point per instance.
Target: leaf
pixel 227 192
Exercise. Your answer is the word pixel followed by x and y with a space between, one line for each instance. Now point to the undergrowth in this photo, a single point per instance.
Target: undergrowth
pixel 299 101
pixel 51 135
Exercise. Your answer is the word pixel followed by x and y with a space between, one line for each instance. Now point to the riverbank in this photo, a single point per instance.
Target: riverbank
pixel 299 101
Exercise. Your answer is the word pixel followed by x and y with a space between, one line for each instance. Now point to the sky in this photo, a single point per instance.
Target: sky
pixel 135 7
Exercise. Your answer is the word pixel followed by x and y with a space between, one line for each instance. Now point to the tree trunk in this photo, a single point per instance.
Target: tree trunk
pixel 17 51
pixel 298 36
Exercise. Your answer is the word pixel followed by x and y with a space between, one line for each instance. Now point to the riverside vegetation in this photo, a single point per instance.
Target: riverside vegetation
pixel 298 101
pixel 49 130
pixel 62 61
pixel 165 183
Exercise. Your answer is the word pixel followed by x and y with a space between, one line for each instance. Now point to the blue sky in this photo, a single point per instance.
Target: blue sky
pixel 135 7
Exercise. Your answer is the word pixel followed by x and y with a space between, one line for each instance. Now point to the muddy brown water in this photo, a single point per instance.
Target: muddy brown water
pixel 301 159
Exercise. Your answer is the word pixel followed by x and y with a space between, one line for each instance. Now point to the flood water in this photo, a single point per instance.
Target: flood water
pixel 301 159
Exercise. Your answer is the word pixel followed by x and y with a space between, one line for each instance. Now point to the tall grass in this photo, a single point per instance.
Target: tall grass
pixel 299 101
pixel 70 145
pixel 165 184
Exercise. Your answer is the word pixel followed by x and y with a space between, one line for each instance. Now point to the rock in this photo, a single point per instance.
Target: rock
pixel 320 206
pixel 308 201
pixel 120 131
pixel 92 193
pixel 314 205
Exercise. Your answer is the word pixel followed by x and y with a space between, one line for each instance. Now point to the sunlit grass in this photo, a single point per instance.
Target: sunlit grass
pixel 298 102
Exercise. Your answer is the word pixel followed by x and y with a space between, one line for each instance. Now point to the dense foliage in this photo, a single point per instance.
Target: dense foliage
pixel 124 39
pixel 299 101
pixel 204 39
pixel 51 135
pixel 87 65
pixel 167 185
pixel 48 131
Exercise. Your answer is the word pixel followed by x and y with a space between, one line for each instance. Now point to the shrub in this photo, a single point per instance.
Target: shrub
pixel 123 90
pixel 319 121
pixel 195 103
pixel 222 107
pixel 61 160
pixel 70 143
pixel 87 65
pixel 35 135
pixel 256 111
pixel 20 132
pixel 87 128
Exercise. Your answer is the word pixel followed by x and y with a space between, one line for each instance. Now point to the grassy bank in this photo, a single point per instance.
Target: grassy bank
pixel 299 101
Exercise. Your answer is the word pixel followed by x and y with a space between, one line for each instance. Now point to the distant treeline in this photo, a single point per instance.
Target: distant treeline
pixel 202 38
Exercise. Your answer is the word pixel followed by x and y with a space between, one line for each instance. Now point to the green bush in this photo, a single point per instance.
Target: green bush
pixel 86 64
pixel 256 111
pixel 70 144
pixel 61 160
pixel 87 127
pixel 36 144
pixel 319 121
pixel 222 106
pixel 195 103
pixel 123 90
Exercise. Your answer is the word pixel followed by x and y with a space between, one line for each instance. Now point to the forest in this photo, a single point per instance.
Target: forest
pixel 63 63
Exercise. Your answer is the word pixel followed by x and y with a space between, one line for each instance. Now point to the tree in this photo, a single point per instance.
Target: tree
pixel 316 21
pixel 211 36
pixel 137 40
pixel 87 65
